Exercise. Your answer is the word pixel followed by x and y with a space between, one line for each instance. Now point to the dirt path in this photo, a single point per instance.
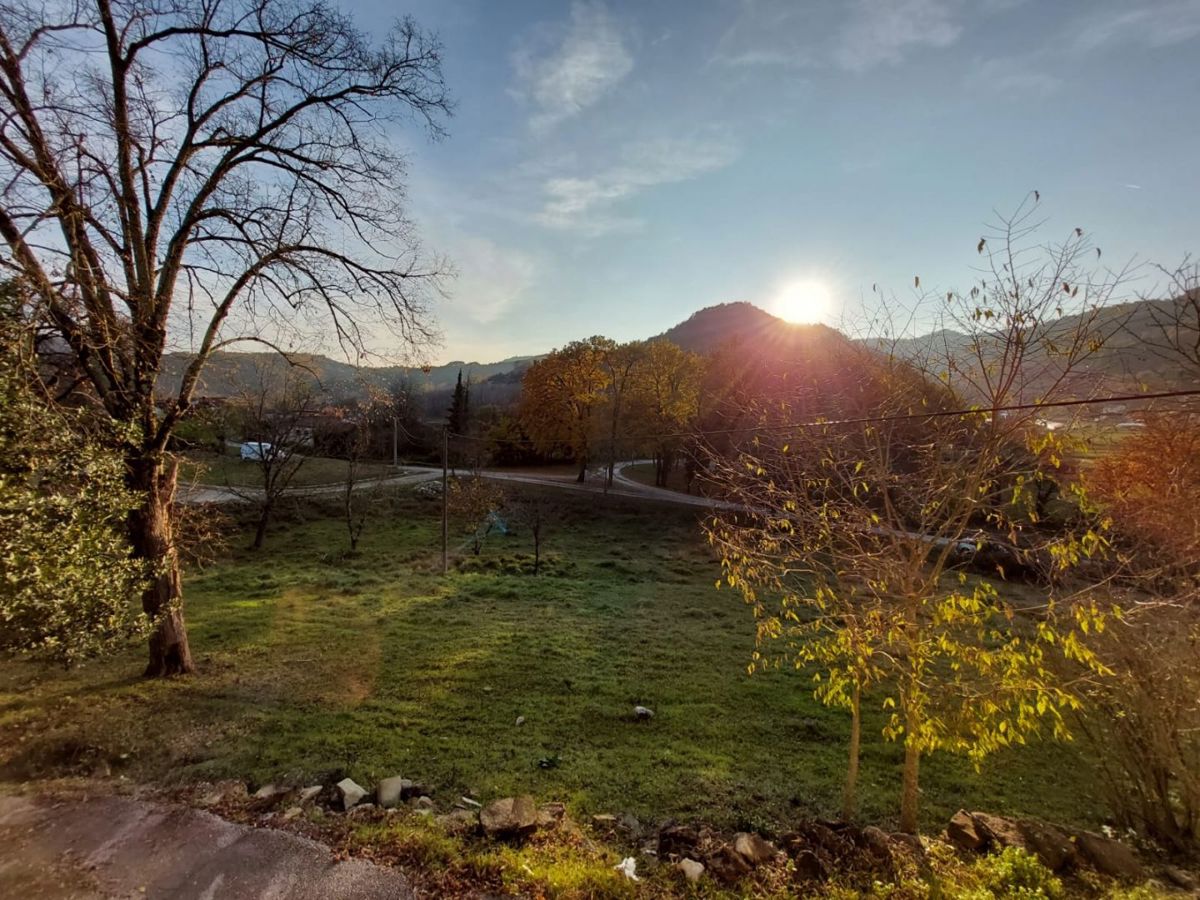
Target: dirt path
pixel 116 847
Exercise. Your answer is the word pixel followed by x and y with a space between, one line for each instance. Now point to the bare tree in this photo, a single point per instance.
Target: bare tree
pixel 358 500
pixel 273 412
pixel 1174 332
pixel 217 166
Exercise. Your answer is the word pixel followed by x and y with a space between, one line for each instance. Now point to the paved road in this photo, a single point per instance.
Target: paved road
pixel 103 848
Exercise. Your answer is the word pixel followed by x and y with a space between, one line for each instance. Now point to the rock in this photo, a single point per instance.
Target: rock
pixel 222 791
pixel 643 713
pixel 998 831
pixel 1180 878
pixel 509 817
pixel 604 820
pixel 520 721
pixel 753 849
pixel 458 821
pixel 362 809
pixel 392 791
pixel 677 840
pixel 308 794
pixel 691 869
pixel 808 866
pixel 467 801
pixel 875 841
pixel 291 813
pixel 726 864
pixel 550 814
pixel 267 792
pixel 423 804
pixel 629 824
pixel 963 832
pixel 1049 844
pixel 1110 857
pixel 350 793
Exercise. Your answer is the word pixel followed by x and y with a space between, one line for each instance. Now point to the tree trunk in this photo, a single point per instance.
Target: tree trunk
pixel 582 471
pixel 909 783
pixel 260 532
pixel 151 536
pixel 850 792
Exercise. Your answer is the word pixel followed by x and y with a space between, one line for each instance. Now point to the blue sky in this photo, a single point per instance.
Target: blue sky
pixel 613 167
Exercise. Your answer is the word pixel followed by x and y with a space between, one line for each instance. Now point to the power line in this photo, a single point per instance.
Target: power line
pixel 898 417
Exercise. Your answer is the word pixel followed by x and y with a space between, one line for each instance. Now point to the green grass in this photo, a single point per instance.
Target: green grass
pixel 230 469
pixel 314 665
pixel 643 473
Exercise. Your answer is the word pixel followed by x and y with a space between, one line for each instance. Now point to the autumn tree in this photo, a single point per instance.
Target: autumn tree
pixel 216 171
pixel 665 401
pixel 844 531
pixel 562 396
pixel 622 364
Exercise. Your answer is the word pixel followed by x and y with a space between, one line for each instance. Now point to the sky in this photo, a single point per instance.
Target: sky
pixel 613 167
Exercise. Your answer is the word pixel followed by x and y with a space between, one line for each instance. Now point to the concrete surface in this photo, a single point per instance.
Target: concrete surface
pixel 116 847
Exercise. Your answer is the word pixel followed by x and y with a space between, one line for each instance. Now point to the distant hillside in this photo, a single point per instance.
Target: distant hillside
pixel 227 373
pixel 744 324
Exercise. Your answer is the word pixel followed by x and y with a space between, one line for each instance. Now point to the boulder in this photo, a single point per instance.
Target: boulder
pixel 509 817
pixel 753 849
pixel 999 831
pixel 1108 856
pixel 963 832
pixel 1049 844
pixel 875 841
pixel 350 793
pixel 808 866
pixel 677 840
pixel 691 869
pixel 268 792
pixel 291 813
pixel 550 814
pixel 423 804
pixel 308 793
pixel 392 791
pixel 604 820
pixel 726 864
pixel 643 713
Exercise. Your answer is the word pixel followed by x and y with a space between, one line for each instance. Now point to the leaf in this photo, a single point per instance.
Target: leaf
pixel 1036 196
pixel 916 281
pixel 982 242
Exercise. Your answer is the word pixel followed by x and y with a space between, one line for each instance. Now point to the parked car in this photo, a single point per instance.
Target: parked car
pixel 255 450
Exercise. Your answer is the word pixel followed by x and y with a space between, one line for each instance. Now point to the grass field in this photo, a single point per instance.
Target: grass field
pixel 230 469
pixel 314 665
pixel 643 473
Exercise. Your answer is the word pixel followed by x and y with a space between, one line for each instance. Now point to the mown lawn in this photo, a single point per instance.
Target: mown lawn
pixel 315 665
pixel 230 469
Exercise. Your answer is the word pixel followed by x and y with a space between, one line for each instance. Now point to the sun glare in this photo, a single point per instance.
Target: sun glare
pixel 805 301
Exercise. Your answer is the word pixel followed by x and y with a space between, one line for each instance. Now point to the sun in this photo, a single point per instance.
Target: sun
pixel 805 301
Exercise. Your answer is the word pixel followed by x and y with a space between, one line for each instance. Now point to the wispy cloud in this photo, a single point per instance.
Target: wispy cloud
pixel 868 33
pixel 563 72
pixel 883 32
pixel 1148 24
pixel 490 278
pixel 1012 76
pixel 588 203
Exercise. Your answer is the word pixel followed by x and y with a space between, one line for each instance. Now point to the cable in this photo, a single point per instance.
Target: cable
pixel 899 417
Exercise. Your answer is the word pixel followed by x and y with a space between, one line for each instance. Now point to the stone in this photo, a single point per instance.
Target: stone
pixel 1180 878
pixel 308 793
pixel 350 793
pixel 520 721
pixel 267 792
pixel 876 842
pixel 604 820
pixel 808 866
pixel 753 849
pixel 1049 844
pixel 726 864
pixel 1110 857
pixel 677 840
pixel 693 871
pixel 467 801
pixel 629 824
pixel 643 713
pixel 550 814
pixel 423 804
pixel 509 817
pixel 963 833
pixel 999 831
pixel 362 809
pixel 390 792
pixel 290 813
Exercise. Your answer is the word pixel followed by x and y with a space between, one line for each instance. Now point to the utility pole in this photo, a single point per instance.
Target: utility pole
pixel 395 443
pixel 445 498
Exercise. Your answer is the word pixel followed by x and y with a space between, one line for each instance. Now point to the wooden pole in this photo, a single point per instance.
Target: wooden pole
pixel 445 500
